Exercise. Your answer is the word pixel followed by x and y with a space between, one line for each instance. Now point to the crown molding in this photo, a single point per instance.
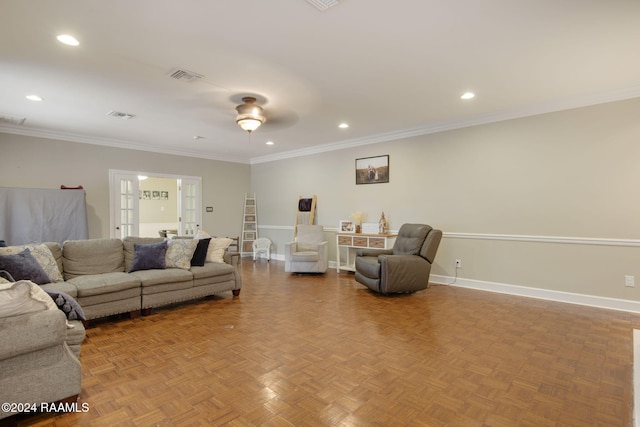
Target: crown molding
pixel 127 145
pixel 493 117
pixel 431 128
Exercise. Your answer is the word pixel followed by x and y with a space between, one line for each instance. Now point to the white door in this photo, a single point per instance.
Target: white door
pixel 189 206
pixel 125 204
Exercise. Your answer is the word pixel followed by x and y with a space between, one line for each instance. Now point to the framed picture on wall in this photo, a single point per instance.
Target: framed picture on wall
pixel 372 170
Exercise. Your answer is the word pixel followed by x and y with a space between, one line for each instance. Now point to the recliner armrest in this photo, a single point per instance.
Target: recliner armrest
pixel 403 273
pixel 373 252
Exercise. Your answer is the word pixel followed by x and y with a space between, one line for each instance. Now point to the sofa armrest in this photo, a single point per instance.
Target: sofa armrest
pixel 32 331
pixel 290 248
pixel 232 258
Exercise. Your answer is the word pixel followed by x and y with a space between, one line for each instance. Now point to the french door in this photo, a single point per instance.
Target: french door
pixel 125 203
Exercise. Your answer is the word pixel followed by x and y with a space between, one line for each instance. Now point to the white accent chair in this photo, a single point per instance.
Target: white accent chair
pixel 309 253
pixel 262 246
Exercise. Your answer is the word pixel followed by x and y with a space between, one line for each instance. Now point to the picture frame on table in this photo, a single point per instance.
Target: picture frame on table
pixel 347 227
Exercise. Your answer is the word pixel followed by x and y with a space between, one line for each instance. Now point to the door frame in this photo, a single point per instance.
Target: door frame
pixel 114 174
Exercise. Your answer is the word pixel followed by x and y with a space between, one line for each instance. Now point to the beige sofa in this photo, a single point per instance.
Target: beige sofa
pixel 39 360
pixel 96 273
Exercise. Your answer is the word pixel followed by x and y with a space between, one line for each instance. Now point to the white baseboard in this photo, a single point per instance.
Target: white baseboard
pixel 636 377
pixel 567 297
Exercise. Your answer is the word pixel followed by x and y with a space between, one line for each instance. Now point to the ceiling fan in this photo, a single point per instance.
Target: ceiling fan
pixel 250 115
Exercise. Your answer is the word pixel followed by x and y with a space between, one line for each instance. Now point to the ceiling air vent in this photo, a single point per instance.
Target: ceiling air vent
pixel 119 115
pixel 189 76
pixel 322 5
pixel 11 120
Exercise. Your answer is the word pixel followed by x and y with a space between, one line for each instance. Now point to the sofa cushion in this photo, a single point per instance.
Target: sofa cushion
pixel 200 254
pixel 23 266
pixel 99 284
pixel 311 256
pixel 92 256
pixel 65 287
pixel 159 277
pixel 180 252
pixel 212 269
pixel 149 256
pixel 42 254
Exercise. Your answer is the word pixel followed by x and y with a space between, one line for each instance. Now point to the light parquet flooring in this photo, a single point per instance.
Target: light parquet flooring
pixel 322 351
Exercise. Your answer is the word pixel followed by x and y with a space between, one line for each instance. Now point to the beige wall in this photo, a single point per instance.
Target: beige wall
pixel 45 163
pixel 159 210
pixel 571 174
pixel 500 192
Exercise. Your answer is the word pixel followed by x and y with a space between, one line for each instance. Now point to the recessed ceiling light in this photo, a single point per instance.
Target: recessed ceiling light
pixel 468 95
pixel 34 97
pixel 68 40
pixel 199 137
pixel 343 125
pixel 269 143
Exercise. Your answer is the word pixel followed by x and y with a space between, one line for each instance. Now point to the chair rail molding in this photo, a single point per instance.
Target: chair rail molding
pixel 545 239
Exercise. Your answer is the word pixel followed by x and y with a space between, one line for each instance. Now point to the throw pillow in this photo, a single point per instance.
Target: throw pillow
pixel 44 257
pixel 200 254
pixel 201 234
pixel 180 252
pixel 23 266
pixel 217 247
pixel 149 256
pixel 22 297
pixel 67 304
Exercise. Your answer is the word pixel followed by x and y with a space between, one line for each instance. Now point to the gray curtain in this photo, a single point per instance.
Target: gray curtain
pixel 35 215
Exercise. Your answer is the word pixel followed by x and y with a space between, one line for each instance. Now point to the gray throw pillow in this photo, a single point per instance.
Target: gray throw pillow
pixel 149 256
pixel 67 304
pixel 23 266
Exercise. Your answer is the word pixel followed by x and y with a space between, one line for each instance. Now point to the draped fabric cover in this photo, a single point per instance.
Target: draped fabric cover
pixel 35 215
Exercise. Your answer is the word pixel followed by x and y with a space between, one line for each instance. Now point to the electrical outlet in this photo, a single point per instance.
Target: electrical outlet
pixel 629 281
pixel 458 263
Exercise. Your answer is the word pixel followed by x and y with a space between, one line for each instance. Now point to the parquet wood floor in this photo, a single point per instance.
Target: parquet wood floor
pixel 323 351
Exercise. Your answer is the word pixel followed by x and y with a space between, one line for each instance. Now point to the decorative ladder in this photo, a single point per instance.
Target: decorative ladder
pixel 249 224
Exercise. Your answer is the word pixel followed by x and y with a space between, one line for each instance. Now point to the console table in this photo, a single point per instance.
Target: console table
pixel 348 243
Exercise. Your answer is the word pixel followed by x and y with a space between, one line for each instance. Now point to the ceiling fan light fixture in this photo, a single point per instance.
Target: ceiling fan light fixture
pixel 249 114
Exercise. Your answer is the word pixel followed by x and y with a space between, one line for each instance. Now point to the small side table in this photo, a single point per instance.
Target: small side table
pixel 348 243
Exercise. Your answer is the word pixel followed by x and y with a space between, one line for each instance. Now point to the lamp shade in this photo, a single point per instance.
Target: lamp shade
pixel 249 114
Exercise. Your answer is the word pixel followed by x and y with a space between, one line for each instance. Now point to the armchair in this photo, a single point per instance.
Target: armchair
pixel 404 268
pixel 309 253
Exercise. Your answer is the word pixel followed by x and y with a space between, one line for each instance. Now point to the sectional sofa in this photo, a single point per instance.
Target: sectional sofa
pixel 110 276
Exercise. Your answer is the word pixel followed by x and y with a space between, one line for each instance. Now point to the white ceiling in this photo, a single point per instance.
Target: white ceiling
pixel 388 68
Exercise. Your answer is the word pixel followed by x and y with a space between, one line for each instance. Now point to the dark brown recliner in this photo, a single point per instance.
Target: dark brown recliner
pixel 404 268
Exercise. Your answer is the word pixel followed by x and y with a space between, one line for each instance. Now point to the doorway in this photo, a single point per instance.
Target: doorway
pixel 144 204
